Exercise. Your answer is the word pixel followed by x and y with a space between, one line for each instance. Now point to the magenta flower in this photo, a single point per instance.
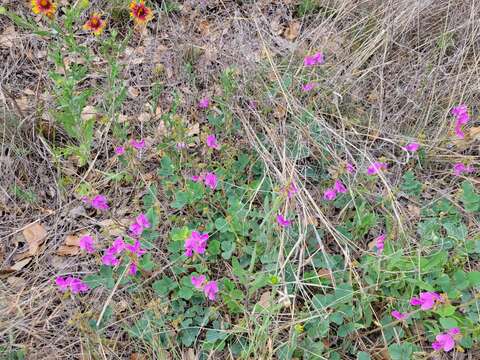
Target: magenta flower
pixel 426 300
pixel 292 190
pixel 350 168
pixel 136 248
pixel 379 243
pixel 461 114
pixel 399 316
pixel 120 150
pixel 204 103
pixel 132 268
pixel 136 229
pixel 110 260
pixel 309 86
pixel 198 281
pixel 63 283
pixel 339 187
pixel 312 60
pixel 282 221
pixel 211 290
pixel 99 202
pixel 197 178
pixel 86 243
pixel 211 180
pixel 197 243
pixel 412 147
pixel 446 341
pixel 459 169
pixel 78 286
pixel 212 142
pixel 329 194
pixel 143 221
pixel 117 247
pixel 376 167
pixel 137 144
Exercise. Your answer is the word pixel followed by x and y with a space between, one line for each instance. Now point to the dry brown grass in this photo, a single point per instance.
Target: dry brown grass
pixel 394 69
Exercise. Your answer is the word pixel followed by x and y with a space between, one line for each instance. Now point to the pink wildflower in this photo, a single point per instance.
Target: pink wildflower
pixel 212 142
pixel 110 260
pixel 339 187
pixel 283 222
pixel 211 180
pixel 312 60
pixel 197 178
pixel 136 248
pixel 78 286
pixel 379 243
pixel 120 150
pixel 196 243
pixel 329 194
pixel 143 221
pixel 459 169
pixel 181 145
pixel 350 168
pixel 461 114
pixel 292 190
pixel 63 283
pixel 132 268
pixel 398 315
pixel 445 341
pixel 137 144
pixel 412 147
pixel 376 167
pixel 99 202
pixel 426 300
pixel 211 290
pixel 309 86
pixel 197 281
pixel 86 243
pixel 204 103
pixel 117 247
pixel 136 229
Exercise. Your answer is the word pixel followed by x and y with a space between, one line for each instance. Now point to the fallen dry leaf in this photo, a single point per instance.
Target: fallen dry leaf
pixel 190 355
pixel 292 31
pixel 16 282
pixel 264 300
pixel 133 92
pixel 325 273
pixel 8 37
pixel 65 250
pixel 19 265
pixel 88 112
pixel 35 235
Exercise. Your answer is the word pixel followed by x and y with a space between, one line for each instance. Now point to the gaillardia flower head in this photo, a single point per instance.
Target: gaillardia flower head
pixel 44 7
pixel 140 13
pixel 95 24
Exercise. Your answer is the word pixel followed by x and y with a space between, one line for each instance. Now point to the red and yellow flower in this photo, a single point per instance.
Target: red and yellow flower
pixel 95 24
pixel 44 7
pixel 140 13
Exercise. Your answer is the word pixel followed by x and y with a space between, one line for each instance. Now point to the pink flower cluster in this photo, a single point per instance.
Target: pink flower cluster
pixel 141 223
pixel 331 193
pixel 426 300
pixel 98 202
pixel 134 143
pixel 204 103
pixel 376 167
pixel 350 168
pixel 308 87
pixel 86 243
pixel 459 169
pixel 282 221
pixel 75 285
pixel 210 288
pixel 411 147
pixel 196 243
pixel 212 142
pixel 315 59
pixel 135 251
pixel 461 114
pixel 210 179
pixel 380 243
pixel 400 316
pixel 446 341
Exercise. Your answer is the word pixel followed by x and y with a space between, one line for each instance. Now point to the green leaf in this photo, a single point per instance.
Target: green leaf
pixel 469 198
pixel 221 225
pixel 448 323
pixel 214 247
pixel 445 310
pixel 228 248
pixel 166 167
pixel 474 278
pixel 163 286
pixel 146 262
pixel 214 335
pixel 401 351
pixel 411 185
pixel 362 355
pixel 185 293
pixel 180 234
pixel 182 198
pixel 103 277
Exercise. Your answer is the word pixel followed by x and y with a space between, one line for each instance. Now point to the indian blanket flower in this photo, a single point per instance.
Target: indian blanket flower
pixel 99 202
pixel 376 167
pixel 137 144
pixel 350 168
pixel 446 341
pixel 120 150
pixel 312 60
pixel 329 194
pixel 95 24
pixel 339 187
pixel 309 86
pixel 211 180
pixel 86 243
pixel 212 142
pixel 426 300
pixel 412 147
pixel 211 289
pixel 44 7
pixel 197 243
pixel 399 316
pixel 140 13
pixel 461 114
pixel 459 169
pixel 282 221
pixel 380 243
pixel 204 103
pixel 197 281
